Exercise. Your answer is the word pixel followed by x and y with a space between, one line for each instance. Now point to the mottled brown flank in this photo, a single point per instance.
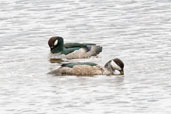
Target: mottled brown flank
pixel 82 53
pixel 51 41
pixel 82 70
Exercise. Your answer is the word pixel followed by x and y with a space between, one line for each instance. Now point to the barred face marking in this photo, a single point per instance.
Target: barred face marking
pixel 115 66
pixel 56 42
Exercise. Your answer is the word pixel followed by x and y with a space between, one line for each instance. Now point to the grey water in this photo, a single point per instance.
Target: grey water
pixel 136 31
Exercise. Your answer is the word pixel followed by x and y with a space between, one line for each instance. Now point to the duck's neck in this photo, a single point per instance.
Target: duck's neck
pixel 107 71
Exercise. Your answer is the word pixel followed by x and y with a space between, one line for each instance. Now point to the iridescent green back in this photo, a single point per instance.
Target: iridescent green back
pixel 71 65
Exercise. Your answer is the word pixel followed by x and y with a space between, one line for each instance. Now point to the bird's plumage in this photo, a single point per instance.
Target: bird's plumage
pixel 90 68
pixel 73 50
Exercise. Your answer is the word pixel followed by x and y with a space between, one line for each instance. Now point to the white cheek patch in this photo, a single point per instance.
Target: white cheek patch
pixel 56 42
pixel 115 66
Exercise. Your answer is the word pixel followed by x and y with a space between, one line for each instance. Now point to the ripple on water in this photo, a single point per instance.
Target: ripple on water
pixel 138 32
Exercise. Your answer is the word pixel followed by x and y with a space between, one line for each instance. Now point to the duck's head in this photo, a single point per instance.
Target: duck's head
pixel 55 41
pixel 115 64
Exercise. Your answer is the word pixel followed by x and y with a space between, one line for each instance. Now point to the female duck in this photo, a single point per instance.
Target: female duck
pixel 73 50
pixel 90 69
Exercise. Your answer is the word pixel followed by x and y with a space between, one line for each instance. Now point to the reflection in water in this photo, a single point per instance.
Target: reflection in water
pixel 137 32
pixel 56 60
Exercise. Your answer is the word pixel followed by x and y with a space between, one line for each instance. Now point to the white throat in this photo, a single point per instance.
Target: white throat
pixel 115 66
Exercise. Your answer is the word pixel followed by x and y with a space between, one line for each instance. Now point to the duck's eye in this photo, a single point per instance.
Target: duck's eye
pixel 115 66
pixel 56 42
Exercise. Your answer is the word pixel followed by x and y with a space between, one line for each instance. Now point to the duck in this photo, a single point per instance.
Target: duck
pixel 90 68
pixel 73 50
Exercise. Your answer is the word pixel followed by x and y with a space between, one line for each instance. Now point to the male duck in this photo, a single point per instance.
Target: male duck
pixel 73 50
pixel 90 69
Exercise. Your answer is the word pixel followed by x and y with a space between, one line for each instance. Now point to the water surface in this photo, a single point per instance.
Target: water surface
pixel 136 31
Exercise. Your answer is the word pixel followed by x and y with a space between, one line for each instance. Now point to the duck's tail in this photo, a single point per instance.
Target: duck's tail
pixel 55 72
pixel 95 50
pixel 98 49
